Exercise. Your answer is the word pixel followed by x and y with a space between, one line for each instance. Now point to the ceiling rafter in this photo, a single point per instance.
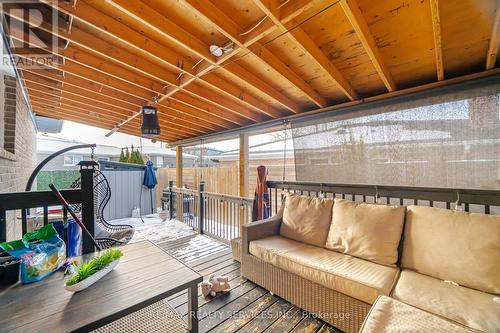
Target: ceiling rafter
pixel 117 115
pixel 119 31
pixel 89 74
pixel 494 44
pixel 308 46
pixel 185 113
pixel 438 48
pixel 132 128
pixel 93 117
pixel 85 58
pixel 355 16
pixel 231 30
pixel 83 88
pixel 146 15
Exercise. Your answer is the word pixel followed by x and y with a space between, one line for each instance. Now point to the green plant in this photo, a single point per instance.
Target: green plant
pixel 91 267
pixel 122 156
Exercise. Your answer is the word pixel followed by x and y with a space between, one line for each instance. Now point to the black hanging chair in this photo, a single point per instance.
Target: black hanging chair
pixel 107 235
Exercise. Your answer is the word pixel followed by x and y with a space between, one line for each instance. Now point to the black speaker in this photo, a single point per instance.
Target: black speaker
pixel 150 125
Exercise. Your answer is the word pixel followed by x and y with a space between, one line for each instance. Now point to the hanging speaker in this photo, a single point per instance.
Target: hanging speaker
pixel 150 125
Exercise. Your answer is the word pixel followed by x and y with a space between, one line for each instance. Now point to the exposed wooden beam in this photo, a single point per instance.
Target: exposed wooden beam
pixel 491 58
pixel 86 88
pixel 179 182
pixel 208 108
pixel 59 113
pixel 88 15
pixel 68 79
pixel 104 110
pixel 104 49
pixel 175 34
pixel 98 77
pixel 231 30
pixel 355 16
pixel 308 46
pixel 88 74
pixel 64 112
pixel 436 28
pixel 132 40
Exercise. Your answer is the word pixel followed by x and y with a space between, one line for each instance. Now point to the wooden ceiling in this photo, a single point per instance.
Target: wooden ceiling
pixel 288 57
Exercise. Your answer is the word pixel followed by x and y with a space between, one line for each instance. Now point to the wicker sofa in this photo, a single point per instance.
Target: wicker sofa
pixel 335 258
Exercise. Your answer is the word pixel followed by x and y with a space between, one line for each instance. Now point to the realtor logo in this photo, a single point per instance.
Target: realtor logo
pixel 31 30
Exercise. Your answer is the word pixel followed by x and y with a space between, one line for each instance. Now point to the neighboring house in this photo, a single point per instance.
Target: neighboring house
pixel 47 145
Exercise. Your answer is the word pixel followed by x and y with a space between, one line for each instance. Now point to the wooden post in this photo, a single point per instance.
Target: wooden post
pixel 179 182
pixel 243 174
pixel 87 169
pixel 178 167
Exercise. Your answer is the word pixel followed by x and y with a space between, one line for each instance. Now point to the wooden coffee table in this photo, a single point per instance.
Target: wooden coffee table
pixel 146 274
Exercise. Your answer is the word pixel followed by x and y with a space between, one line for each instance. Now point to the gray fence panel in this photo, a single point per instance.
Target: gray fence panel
pixel 126 188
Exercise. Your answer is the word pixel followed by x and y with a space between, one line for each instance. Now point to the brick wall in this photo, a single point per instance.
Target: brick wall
pixel 18 154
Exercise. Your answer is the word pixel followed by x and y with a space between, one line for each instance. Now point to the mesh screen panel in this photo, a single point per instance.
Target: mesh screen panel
pixel 449 140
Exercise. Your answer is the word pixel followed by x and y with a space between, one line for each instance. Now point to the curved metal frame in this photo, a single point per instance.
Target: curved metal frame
pixel 39 167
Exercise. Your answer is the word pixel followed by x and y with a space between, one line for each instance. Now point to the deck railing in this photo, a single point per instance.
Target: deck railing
pixel 217 215
pixel 26 201
pixel 221 216
pixel 478 201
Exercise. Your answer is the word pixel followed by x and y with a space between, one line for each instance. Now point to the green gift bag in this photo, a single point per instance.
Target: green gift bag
pixel 42 252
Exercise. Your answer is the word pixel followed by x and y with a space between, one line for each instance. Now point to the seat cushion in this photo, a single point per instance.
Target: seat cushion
pixel 466 306
pixel 390 316
pixel 367 231
pixel 456 246
pixel 306 219
pixel 352 276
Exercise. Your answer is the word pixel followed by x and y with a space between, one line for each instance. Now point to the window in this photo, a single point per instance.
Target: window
pixel 72 160
pixel 159 161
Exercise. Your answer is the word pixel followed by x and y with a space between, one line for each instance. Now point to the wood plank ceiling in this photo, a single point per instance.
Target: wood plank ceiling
pixel 284 57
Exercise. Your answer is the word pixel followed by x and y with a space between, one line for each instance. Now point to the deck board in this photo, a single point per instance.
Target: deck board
pixel 247 307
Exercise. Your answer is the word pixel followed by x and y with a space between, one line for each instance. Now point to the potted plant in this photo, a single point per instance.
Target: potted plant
pixel 91 271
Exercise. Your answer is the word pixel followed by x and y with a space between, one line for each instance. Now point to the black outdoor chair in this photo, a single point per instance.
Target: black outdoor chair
pixel 107 235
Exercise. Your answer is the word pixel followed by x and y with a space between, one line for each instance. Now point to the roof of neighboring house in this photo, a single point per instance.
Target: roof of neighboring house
pixel 48 144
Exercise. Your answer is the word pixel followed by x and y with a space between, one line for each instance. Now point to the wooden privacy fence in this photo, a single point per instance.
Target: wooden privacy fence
pixel 217 179
pixel 223 178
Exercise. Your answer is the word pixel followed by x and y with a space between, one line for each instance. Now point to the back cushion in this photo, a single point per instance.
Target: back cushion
pixel 306 219
pixel 456 246
pixel 367 231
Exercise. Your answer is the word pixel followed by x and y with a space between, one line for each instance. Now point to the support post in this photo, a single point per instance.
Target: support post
pixel 179 182
pixel 243 174
pixel 87 169
pixel 170 200
pixel 201 208
pixel 178 167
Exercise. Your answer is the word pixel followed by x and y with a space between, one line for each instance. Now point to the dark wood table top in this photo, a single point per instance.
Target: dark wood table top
pixel 145 275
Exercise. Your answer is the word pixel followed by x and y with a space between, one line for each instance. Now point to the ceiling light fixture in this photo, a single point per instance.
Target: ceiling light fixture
pixel 218 51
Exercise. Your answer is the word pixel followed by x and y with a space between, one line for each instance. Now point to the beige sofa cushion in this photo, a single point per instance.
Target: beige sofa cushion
pixel 468 307
pixel 390 316
pixel 456 246
pixel 306 219
pixel 352 276
pixel 367 231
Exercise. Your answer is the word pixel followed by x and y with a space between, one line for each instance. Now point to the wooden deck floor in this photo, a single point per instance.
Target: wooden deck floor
pixel 247 307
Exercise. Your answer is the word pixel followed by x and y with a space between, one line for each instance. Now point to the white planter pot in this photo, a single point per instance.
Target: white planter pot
pixel 84 284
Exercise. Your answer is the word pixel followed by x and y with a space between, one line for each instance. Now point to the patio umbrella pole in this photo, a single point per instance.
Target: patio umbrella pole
pixel 72 213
